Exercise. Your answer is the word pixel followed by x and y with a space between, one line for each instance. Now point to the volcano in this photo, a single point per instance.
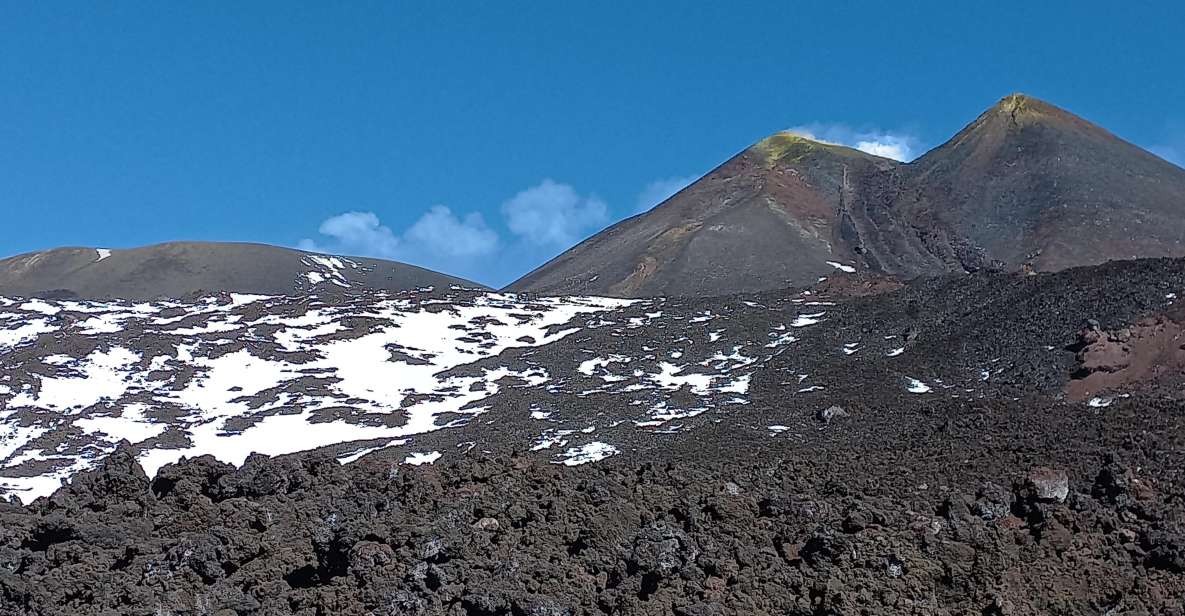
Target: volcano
pixel 233 429
pixel 1025 186
pixel 178 269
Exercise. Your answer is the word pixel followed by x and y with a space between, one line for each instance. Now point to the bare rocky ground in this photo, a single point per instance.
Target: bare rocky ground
pixel 942 526
pixel 1010 495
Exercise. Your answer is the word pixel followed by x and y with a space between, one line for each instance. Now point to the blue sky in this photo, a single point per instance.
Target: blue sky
pixel 484 138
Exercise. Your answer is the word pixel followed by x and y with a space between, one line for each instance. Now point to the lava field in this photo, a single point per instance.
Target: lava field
pixel 986 444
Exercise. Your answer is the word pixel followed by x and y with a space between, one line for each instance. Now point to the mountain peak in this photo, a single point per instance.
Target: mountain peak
pixel 792 147
pixel 1021 108
pixel 1016 102
pixel 1026 185
pixel 1019 122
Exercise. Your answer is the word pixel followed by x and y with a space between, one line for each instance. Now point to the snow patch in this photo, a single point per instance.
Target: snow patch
pixel 804 320
pixel 416 459
pixel 132 423
pixel 915 386
pixel 591 452
pixel 289 389
pixel 843 268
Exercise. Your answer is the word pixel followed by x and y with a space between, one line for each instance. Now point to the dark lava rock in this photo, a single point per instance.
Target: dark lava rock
pixel 992 502
pixel 801 537
pixel 1047 485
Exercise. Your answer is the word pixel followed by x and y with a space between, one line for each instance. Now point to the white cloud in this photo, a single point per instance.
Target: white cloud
pixel 535 225
pixel 888 146
pixel 436 238
pixel 355 232
pixel 440 231
pixel 554 214
pixel 543 220
pixel 660 190
pixel 898 146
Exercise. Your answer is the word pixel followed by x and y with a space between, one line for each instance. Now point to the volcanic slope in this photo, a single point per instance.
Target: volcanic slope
pixel 177 269
pixel 435 375
pixel 541 456
pixel 1026 185
pixel 1029 183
